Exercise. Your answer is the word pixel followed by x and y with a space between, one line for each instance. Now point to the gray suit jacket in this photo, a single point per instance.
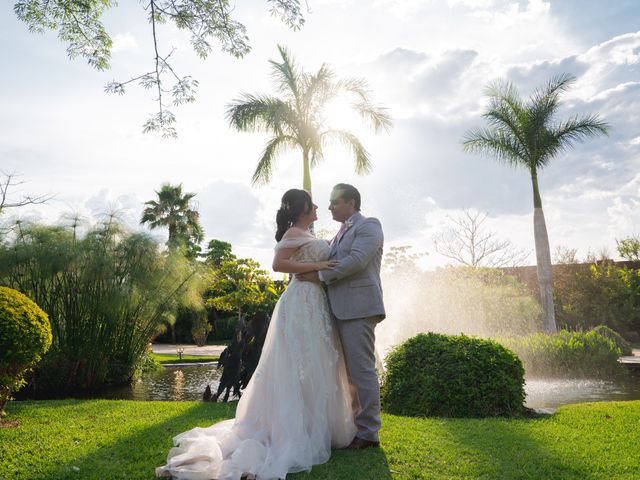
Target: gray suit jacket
pixel 354 286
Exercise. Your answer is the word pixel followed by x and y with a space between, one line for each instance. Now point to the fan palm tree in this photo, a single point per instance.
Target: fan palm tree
pixel 297 120
pixel 174 210
pixel 527 134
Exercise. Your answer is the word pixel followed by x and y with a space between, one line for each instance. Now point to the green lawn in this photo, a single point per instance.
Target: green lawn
pixel 174 358
pixel 107 439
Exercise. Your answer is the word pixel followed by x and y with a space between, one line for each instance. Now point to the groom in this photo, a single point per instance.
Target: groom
pixel 355 295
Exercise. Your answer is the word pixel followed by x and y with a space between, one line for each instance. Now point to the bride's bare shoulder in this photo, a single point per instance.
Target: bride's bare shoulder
pixel 295 232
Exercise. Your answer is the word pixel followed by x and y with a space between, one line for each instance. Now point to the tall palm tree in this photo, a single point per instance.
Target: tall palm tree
pixel 297 120
pixel 174 210
pixel 527 134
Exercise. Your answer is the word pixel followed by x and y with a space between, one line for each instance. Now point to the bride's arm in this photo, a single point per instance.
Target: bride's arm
pixel 282 263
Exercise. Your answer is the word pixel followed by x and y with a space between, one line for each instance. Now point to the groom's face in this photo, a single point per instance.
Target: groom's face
pixel 340 210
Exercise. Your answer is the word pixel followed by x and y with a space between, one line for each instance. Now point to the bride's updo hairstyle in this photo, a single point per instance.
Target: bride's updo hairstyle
pixel 295 202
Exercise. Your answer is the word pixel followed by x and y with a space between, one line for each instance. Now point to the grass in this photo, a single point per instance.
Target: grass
pixel 173 358
pixel 116 439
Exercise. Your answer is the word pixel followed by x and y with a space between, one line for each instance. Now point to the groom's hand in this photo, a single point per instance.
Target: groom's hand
pixel 308 277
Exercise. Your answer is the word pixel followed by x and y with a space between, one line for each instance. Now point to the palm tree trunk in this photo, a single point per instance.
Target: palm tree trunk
pixel 173 230
pixel 306 175
pixel 543 258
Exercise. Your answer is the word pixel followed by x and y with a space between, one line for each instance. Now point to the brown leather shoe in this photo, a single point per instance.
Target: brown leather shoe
pixel 360 443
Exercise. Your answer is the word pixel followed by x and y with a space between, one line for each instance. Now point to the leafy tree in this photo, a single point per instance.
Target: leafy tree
pixel 400 260
pixel 240 285
pixel 296 118
pixel 629 248
pixel 600 293
pixel 78 23
pixel 526 134
pixel 217 252
pixel 174 210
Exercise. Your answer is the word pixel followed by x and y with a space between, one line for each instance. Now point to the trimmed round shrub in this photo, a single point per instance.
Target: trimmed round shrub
pixel 615 337
pixel 25 334
pixel 452 376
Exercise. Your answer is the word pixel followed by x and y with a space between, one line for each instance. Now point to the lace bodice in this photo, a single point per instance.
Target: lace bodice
pixel 310 249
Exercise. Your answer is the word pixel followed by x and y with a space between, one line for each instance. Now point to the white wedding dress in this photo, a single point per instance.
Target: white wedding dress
pixel 297 404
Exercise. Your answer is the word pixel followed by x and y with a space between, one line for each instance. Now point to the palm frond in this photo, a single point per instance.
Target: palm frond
pixel 492 142
pixel 552 89
pixel 578 129
pixel 503 91
pixel 356 86
pixel 564 136
pixel 319 89
pixel 377 117
pixel 258 112
pixel 286 74
pixel 264 169
pixel 543 105
pixel 360 155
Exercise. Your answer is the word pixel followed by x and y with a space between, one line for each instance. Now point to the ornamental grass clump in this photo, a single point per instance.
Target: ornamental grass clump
pixel 105 293
pixel 25 334
pixel 453 376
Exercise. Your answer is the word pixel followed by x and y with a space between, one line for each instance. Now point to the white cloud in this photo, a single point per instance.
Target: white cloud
pixel 124 42
pixel 427 61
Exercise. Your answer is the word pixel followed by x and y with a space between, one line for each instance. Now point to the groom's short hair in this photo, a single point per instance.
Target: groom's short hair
pixel 349 192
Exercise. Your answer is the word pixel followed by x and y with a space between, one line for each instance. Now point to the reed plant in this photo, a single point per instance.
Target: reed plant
pixel 105 293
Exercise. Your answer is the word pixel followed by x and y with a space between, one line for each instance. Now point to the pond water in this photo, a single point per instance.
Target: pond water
pixel 187 382
pixel 549 394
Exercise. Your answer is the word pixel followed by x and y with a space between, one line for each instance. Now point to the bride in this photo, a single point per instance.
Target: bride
pixel 297 404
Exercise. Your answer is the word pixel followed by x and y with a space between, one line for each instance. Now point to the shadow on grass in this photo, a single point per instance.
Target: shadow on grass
pixel 507 449
pixel 369 464
pixel 130 439
pixel 132 449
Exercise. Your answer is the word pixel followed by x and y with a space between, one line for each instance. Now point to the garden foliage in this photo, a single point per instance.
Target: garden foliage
pixel 568 354
pixel 453 376
pixel 25 334
pixel 616 338
pixel 105 293
pixel 598 294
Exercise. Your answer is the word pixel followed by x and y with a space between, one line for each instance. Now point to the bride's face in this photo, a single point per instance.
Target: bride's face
pixel 310 217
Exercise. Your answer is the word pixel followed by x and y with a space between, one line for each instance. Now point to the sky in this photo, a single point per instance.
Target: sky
pixel 427 61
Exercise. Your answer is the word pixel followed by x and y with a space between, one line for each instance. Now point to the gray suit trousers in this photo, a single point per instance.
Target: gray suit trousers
pixel 358 342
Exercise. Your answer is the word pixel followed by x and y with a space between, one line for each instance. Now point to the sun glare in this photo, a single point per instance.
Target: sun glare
pixel 340 115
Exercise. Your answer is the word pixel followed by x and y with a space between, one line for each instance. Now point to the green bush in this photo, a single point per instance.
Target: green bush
pixel 25 334
pixel 148 363
pixel 452 376
pixel 200 327
pixel 567 355
pixel 618 340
